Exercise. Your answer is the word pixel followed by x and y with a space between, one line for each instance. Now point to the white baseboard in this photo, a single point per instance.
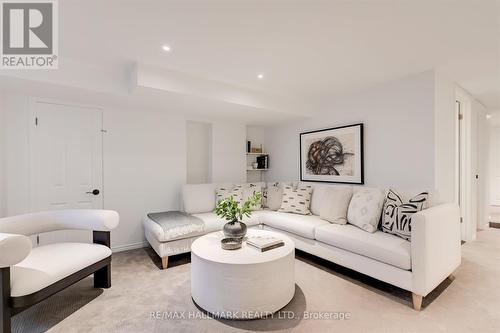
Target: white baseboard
pixel 126 247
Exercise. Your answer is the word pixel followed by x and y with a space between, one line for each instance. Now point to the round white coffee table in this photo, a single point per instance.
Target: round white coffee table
pixel 243 283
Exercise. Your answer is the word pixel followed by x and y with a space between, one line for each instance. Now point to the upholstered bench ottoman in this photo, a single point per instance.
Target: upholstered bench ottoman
pixel 172 232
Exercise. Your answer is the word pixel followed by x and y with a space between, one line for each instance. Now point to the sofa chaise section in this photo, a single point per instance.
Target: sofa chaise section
pixel 166 245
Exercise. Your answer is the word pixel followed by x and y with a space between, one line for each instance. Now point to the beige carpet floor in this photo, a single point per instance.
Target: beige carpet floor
pixel 470 303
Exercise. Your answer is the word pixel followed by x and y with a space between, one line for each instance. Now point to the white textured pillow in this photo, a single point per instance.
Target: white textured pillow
pixel 296 201
pixel 198 198
pixel 365 209
pixel 273 195
pixel 335 204
pixel 249 190
pixel 226 192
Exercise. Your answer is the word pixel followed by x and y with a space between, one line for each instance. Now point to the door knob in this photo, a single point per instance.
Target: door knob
pixel 94 192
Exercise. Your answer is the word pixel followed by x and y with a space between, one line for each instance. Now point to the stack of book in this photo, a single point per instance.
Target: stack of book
pixel 264 243
pixel 263 162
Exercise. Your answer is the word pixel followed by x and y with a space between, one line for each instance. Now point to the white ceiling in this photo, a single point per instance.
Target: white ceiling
pixel 310 49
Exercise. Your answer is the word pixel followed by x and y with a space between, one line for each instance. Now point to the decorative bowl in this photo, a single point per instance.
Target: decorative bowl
pixel 231 243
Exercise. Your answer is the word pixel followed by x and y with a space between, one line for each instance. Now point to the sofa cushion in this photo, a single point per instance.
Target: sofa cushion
pixel 249 190
pixel 198 198
pixel 48 264
pixel 335 203
pixel 158 232
pixel 365 208
pixel 215 223
pixel 317 195
pixel 273 194
pixel 380 246
pixel 302 225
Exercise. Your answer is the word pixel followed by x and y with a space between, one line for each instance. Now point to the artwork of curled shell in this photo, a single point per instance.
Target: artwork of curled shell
pixel 323 155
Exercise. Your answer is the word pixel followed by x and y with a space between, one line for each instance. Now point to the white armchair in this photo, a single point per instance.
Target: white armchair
pixel 28 275
pixel 13 249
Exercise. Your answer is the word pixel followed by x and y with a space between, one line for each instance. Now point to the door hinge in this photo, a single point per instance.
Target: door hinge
pixel 36 121
pixel 461 219
pixel 37 240
pixel 460 116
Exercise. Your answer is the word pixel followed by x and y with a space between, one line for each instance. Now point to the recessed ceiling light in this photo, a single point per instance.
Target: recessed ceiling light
pixel 260 76
pixel 166 48
pixel 488 116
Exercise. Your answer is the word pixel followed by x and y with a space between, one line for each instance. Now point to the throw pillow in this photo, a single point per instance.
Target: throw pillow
pixel 249 190
pixel 296 201
pixel 335 203
pixel 273 195
pixel 226 192
pixel 365 209
pixel 397 213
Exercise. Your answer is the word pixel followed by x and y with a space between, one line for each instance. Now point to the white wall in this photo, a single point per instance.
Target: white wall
pixel 482 165
pixel 144 162
pixel 144 167
pixel 398 122
pixel 494 161
pixel 228 152
pixel 17 158
pixel 199 152
pixel 445 135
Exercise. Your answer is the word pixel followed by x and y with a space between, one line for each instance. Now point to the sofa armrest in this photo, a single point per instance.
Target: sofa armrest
pixel 435 246
pixel 83 219
pixel 13 249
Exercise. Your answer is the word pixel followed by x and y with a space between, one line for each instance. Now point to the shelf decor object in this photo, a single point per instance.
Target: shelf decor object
pixel 333 155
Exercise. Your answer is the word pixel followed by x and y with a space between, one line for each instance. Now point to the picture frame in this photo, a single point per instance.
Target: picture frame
pixel 333 155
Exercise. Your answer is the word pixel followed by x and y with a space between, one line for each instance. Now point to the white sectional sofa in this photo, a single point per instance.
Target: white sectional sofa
pixel 417 266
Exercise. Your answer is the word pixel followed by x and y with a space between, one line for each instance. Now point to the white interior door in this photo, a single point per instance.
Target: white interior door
pixel 66 165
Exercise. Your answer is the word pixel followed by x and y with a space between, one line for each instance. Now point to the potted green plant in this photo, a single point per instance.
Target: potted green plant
pixel 230 210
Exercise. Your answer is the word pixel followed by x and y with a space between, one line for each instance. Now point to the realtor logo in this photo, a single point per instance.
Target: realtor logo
pixel 29 34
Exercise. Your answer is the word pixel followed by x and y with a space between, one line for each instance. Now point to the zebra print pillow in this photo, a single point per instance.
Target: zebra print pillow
pixel 396 219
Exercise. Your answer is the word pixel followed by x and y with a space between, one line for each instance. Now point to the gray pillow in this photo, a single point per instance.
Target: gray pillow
pixel 335 204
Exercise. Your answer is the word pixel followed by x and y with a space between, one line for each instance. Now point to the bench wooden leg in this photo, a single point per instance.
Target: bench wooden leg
pixel 417 301
pixel 164 262
pixel 102 277
pixel 5 311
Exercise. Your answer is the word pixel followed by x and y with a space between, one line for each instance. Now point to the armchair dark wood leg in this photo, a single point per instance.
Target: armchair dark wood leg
pixel 5 310
pixel 102 277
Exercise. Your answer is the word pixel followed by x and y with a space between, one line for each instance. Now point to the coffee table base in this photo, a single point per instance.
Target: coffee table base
pixel 242 291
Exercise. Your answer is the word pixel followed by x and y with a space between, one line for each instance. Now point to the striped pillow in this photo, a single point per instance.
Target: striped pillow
pixel 296 201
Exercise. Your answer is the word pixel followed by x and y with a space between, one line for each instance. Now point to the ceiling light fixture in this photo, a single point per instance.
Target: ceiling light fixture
pixel 260 76
pixel 488 116
pixel 166 48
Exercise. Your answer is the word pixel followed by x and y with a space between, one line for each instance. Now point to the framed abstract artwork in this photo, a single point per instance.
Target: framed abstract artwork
pixel 333 155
